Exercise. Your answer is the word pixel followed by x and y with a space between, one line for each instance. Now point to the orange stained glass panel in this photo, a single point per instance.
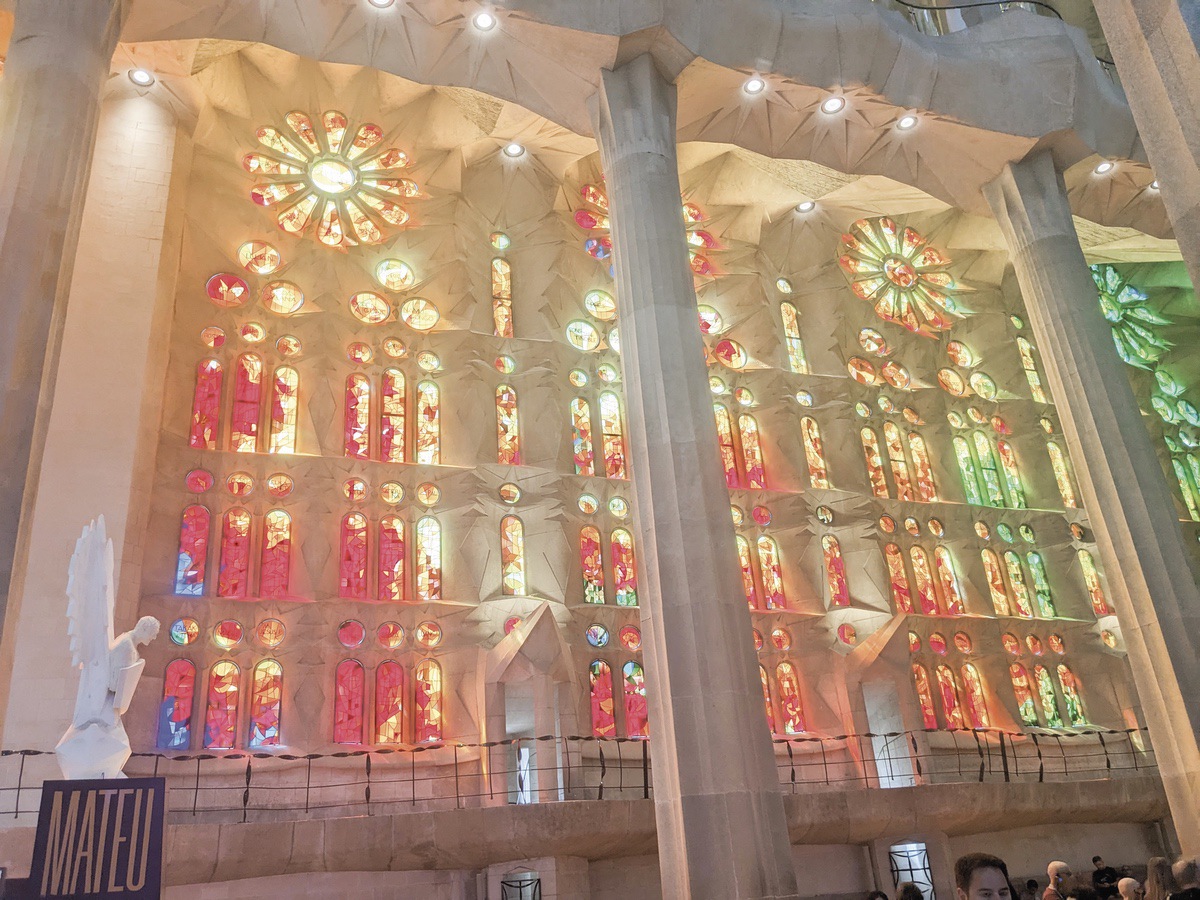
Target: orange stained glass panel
pixel 743 548
pixel 771 572
pixel 352 560
pixel 787 685
pixel 247 398
pixel 766 689
pixel 922 469
pixel 593 564
pixel 221 714
pixel 234 576
pixel 637 722
pixel 614 441
pixel 870 443
pixel 502 298
pixel 948 692
pixel 512 556
pixel 429 560
pixel 508 438
pixel 924 697
pixel 285 401
pixel 581 437
pixel 604 723
pixel 348 703
pixel 429 431
pixel 974 697
pixel 923 578
pixel 895 451
pixel 392 414
pixel 898 578
pixel 391 559
pixel 814 453
pixel 725 440
pixel 835 571
pixel 206 405
pixel 429 715
pixel 624 567
pixel 266 701
pixel 390 690
pixel 752 455
pixel 943 562
pixel 276 562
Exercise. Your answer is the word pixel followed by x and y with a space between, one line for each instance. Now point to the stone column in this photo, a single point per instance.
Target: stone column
pixel 58 59
pixel 1159 66
pixel 1122 482
pixel 719 810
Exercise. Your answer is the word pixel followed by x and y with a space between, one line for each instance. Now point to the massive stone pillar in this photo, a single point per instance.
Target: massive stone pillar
pixel 721 828
pixel 57 61
pixel 1131 508
pixel 1159 66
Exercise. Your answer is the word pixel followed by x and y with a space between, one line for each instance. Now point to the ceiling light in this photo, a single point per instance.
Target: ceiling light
pixel 381 4
pixel 1104 168
pixel 484 21
pixel 754 85
pixel 806 206
pixel 1154 185
pixel 907 122
pixel 514 149
pixel 833 105
pixel 141 77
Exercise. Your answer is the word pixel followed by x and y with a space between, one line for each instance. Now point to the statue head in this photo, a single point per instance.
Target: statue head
pixel 145 630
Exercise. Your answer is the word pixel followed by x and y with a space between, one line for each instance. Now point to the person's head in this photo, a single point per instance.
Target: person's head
pixel 1129 889
pixel 1187 874
pixel 1058 872
pixel 145 630
pixel 981 876
pixel 1098 862
pixel 1159 880
pixel 909 891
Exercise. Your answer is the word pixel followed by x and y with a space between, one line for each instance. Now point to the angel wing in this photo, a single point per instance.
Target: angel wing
pixel 90 615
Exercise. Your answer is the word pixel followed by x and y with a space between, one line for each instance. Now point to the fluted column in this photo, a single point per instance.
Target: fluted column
pixel 1126 493
pixel 719 810
pixel 58 60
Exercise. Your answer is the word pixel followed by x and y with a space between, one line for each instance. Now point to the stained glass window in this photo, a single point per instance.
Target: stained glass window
pixel 1062 477
pixel 284 405
pixel 1091 578
pixel 429 431
pixel 787 685
pixel 391 558
pixel 752 455
pixel 266 697
pixel 835 571
pixel 725 440
pixel 220 718
pixel 1041 585
pixel 235 554
pixel 502 310
pixel 967 469
pixel 895 450
pixel 995 579
pixel 772 573
pixel 175 713
pixel 604 723
pixel 898 578
pixel 1048 697
pixel 429 719
pixel 814 453
pixel 624 567
pixel 429 560
pixel 352 568
pixel 275 569
pixel 870 442
pixel 637 724
pixel 508 436
pixel 357 434
pixel 1012 476
pixel 948 691
pixel 923 580
pixel 766 689
pixel 247 398
pixel 593 564
pixel 975 701
pixel 922 470
pixel 512 556
pixel 581 437
pixel 391 416
pixel 206 405
pixel 1188 478
pixel 990 476
pixel 610 429
pixel 1031 372
pixel 1070 689
pixel 193 552
pixel 943 562
pixel 924 697
pixel 390 690
pixel 791 336
pixel 348 703
pixel 748 587
pixel 1023 691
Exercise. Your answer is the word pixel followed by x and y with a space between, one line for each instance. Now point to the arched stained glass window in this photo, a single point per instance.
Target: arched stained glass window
pixel 391 559
pixel 637 723
pixel 787 685
pixel 922 469
pixel 429 713
pixel 772 573
pixel 1048 697
pixel 175 713
pixel 193 552
pixel 234 574
pixel 390 690
pixel 348 694
pixel 266 698
pixel 835 571
pixel 1070 689
pixel 952 594
pixel 206 405
pixel 898 578
pixel 1091 578
pixel 1041 585
pixel 766 688
pixel 948 691
pixel 1012 476
pixel 624 567
pixel 508 435
pixel 614 442
pixel 975 700
pixel 512 556
pixel 1062 477
pixel 814 453
pixel 990 475
pixel 748 587
pixel 752 455
pixel 895 451
pixel 276 566
pixel 1023 692
pixel 1016 579
pixel 247 400
pixel 502 315
pixel 968 470
pixel 391 417
pixel 429 429
pixel 995 579
pixel 1031 372
pixel 923 581
pixel 728 447
pixel 870 442
pixel 604 723
pixel 357 432
pixel 593 564
pixel 1187 485
pixel 352 558
pixel 285 403
pixel 924 697
pixel 581 437
pixel 220 717
pixel 797 361
pixel 429 560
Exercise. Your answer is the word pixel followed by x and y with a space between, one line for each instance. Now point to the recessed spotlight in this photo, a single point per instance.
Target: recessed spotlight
pixel 1104 168
pixel 907 122
pixel 484 21
pixel 141 77
pixel 381 4
pixel 832 105
pixel 1154 185
pixel 754 85
pixel 514 149
pixel 806 206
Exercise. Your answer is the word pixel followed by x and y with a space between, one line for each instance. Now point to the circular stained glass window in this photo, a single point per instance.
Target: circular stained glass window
pixel 1047 424
pixel 738 516
pixel 783 285
pixel 419 313
pixel 288 345
pixel 983 385
pixel 743 396
pixel 390 635
pixel 912 526
pixel 510 623
pixel 510 493
pixel 354 489
pixel 614 339
pixel 716 385
pixel 198 481
pixel 227 290
pixel 847 634
pixel 270 632
pixel 914 642
pixel 499 240
pixel 731 354
pixel 1017 322
pixel 885 404
pixel 588 504
pixel 630 637
pixel 976 415
pixel 936 528
pixel 887 524
pixel 227 634
pixel 279 484
pixel 618 507
pixel 505 365
pixel 761 515
pixel 607 373
pixel 253 333
pixel 913 416
pixel 577 377
pixel 213 337
pixel 369 307
pixel 1109 639
pixel 428 494
pixel 873 342
pixel 758 639
pixel 259 257
pixel 861 370
pixel 1011 644
pixel 780 639
pixel 1026 533
pixel 239 484
pixel 601 305
pixel 1034 643
pixel 824 515
pixel 359 352
pixel 597 635
pixel 804 398
pixel 583 335
pixel 1078 532
pixel 1056 644
pixel 395 275
pixel 185 631
pixel 982 530
pixel 937 643
pixel 429 361
pixel 897 375
pixel 428 634
pixel 351 633
pixel 391 492
pixel 710 319
pixel 1000 426
pixel 955 419
pixel 960 354
pixel 962 642
pixel 952 382
pixel 1005 532
pixel 282 297
pixel 394 347
pixel 862 409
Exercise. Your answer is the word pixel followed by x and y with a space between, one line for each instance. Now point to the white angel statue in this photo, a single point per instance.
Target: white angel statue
pixel 96 745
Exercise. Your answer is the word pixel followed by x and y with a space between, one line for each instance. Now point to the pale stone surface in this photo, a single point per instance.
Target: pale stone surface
pixel 1140 541
pixel 720 816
